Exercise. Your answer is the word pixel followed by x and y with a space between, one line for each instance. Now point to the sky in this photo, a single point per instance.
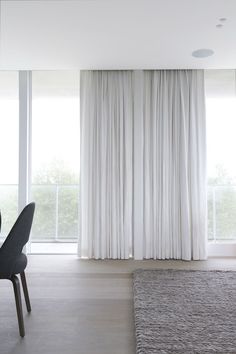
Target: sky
pixel 9 141
pixel 55 121
pixel 55 132
pixel 55 128
pixel 221 135
pixel 55 135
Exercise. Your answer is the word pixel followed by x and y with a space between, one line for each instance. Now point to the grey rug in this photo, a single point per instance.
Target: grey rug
pixel 192 312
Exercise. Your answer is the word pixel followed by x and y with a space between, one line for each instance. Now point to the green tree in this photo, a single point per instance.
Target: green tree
pixel 56 193
pixel 9 207
pixel 222 177
pixel 224 197
pixel 55 172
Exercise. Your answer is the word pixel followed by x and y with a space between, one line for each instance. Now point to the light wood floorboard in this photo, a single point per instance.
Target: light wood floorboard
pixel 80 306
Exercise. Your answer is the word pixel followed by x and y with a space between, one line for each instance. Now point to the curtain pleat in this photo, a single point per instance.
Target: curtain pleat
pixel 106 164
pixel 143 164
pixel 174 165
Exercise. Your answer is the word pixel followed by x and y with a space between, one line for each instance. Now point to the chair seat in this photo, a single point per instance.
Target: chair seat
pixel 19 265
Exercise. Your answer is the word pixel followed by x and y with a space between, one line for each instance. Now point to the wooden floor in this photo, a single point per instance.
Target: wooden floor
pixel 80 306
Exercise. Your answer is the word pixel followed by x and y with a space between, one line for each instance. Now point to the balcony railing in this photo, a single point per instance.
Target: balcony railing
pixel 57 212
pixel 222 213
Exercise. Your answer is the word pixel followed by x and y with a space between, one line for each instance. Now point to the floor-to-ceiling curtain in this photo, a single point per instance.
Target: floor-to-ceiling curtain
pixel 174 167
pixel 143 176
pixel 106 164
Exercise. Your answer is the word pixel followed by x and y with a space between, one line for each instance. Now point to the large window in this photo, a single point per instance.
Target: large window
pixel 9 149
pixel 55 156
pixel 54 171
pixel 48 147
pixel 221 141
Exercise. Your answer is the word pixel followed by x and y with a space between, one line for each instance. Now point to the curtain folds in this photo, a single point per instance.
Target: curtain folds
pixel 106 164
pixel 143 164
pixel 174 219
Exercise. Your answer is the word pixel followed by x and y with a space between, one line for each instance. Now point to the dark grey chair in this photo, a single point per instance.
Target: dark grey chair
pixel 13 261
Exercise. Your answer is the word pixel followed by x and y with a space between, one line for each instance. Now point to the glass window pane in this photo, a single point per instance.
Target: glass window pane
pixel 55 154
pixel 221 147
pixel 226 213
pixel 45 222
pixel 68 201
pixel 210 203
pixel 9 141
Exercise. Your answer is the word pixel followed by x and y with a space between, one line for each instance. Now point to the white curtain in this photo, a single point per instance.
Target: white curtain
pixel 174 168
pixel 106 164
pixel 143 157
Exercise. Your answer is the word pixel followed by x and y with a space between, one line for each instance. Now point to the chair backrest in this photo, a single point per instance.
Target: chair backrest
pixel 19 234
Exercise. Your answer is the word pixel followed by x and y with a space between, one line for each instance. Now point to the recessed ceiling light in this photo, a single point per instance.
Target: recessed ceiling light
pixel 222 19
pixel 202 53
pixel 219 25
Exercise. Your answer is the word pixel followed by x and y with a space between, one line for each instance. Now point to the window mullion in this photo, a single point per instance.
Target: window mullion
pixel 25 114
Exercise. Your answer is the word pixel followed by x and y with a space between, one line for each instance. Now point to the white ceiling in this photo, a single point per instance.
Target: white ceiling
pixel 116 34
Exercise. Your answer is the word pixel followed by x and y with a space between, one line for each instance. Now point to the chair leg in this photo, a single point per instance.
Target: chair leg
pixel 16 286
pixel 25 290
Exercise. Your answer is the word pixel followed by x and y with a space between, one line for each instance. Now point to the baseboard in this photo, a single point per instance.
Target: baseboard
pixel 221 249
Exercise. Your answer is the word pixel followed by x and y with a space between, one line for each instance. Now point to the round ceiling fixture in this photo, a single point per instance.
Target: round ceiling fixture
pixel 202 53
pixel 222 19
pixel 219 25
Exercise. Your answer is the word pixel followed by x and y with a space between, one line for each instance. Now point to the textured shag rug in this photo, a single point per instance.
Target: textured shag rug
pixel 185 312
